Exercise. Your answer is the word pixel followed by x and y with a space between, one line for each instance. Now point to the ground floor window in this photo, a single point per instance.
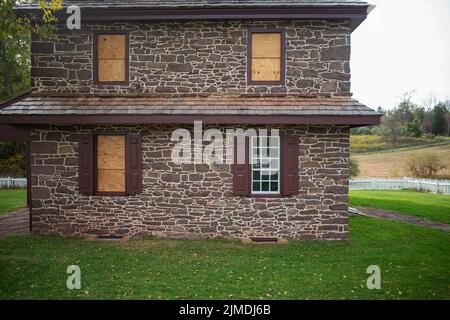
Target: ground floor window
pixel 110 163
pixel 265 164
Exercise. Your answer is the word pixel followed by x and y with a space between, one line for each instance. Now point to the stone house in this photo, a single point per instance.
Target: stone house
pixel 106 100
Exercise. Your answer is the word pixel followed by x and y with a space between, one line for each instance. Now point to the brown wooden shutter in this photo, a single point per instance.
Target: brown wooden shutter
pixel 290 154
pixel 86 164
pixel 241 172
pixel 133 163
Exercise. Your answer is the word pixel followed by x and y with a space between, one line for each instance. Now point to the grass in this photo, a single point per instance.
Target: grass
pixel 414 262
pixel 12 199
pixel 392 164
pixel 374 143
pixel 424 205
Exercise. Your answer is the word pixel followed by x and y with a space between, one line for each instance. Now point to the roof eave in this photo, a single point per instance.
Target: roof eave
pixel 350 120
pixel 356 14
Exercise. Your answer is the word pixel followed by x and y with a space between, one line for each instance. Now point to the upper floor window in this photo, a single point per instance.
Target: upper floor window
pixel 111 57
pixel 266 63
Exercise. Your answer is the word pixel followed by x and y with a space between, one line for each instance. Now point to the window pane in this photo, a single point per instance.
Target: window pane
pixel 273 152
pixel 256 186
pixel 274 141
pixel 274 176
pixel 265 186
pixel 256 175
pixel 274 186
pixel 265 176
pixel 265 163
pixel 274 163
pixel 111 163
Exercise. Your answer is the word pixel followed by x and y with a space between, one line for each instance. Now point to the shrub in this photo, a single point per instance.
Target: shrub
pixel 13 166
pixel 423 165
pixel 354 167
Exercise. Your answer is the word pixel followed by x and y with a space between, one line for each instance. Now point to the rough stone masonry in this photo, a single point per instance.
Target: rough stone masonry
pixel 189 200
pixel 197 58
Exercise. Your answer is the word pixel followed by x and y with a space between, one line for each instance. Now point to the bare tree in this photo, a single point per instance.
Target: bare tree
pixel 391 126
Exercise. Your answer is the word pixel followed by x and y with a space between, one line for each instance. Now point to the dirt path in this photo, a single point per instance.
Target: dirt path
pixel 391 215
pixel 17 222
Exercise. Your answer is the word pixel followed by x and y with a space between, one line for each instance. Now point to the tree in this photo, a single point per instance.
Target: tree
pixel 15 43
pixel 414 128
pixel 405 111
pixel 447 105
pixel 15 61
pixel 381 110
pixel 439 119
pixel 12 159
pixel 391 126
pixel 354 167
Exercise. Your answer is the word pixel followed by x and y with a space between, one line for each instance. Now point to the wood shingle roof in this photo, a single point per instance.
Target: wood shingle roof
pixel 215 109
pixel 204 3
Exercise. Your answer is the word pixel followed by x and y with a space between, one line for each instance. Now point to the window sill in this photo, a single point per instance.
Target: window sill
pixel 111 83
pixel 266 83
pixel 265 195
pixel 110 194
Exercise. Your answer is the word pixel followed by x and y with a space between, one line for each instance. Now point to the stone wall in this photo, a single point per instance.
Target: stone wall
pixel 192 201
pixel 197 58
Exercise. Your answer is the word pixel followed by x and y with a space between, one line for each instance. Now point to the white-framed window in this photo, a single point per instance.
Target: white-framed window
pixel 265 164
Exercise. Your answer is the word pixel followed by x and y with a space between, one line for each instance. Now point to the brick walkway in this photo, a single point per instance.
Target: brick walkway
pixel 391 215
pixel 17 222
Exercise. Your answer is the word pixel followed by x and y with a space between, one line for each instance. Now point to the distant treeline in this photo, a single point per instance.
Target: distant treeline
pixel 409 119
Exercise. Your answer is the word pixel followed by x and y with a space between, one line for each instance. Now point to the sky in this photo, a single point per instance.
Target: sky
pixel 403 45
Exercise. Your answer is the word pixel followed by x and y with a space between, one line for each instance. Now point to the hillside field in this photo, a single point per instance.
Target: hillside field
pixel 391 164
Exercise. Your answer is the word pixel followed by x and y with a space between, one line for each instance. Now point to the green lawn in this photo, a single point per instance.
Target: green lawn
pixel 414 262
pixel 424 205
pixel 12 199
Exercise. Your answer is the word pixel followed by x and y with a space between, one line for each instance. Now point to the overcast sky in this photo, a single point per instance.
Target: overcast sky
pixel 403 45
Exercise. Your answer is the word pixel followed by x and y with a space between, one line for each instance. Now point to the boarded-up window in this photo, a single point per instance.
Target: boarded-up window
pixel 266 57
pixel 111 58
pixel 110 163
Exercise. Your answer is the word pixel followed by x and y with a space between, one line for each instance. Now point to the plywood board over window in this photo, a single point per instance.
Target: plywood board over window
pixel 110 163
pixel 111 58
pixel 266 57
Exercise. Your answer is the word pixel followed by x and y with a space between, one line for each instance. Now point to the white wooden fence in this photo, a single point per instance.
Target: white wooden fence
pixel 8 183
pixel 429 185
